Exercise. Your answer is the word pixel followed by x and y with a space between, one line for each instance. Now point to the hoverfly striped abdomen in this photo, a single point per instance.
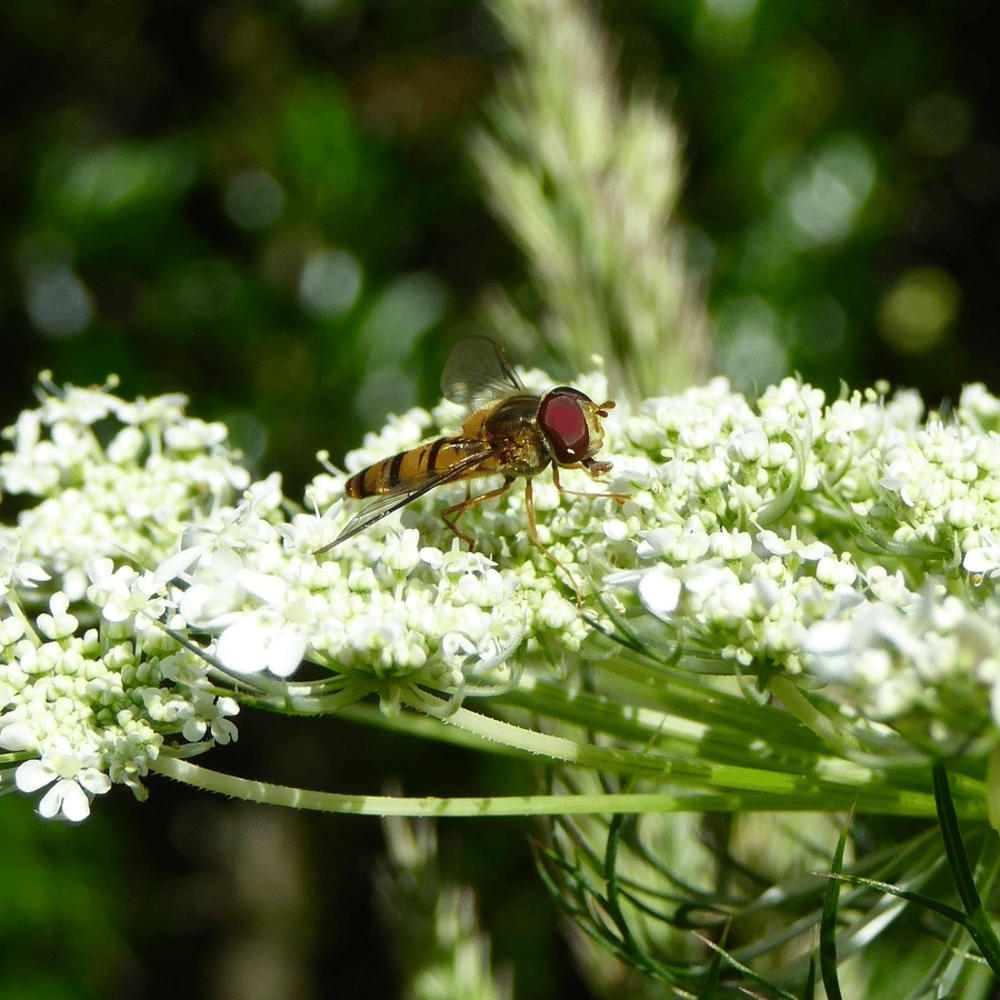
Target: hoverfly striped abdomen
pixel 436 458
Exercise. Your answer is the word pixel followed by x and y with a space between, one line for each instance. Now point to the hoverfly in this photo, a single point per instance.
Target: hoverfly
pixel 510 431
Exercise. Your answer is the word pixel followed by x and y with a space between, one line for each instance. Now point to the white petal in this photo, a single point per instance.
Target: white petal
pixel 625 578
pixel 224 731
pixel 18 736
pixel 286 651
pixel 51 801
pixel 116 610
pixel 94 781
pixel 980 561
pixel 615 529
pixel 815 551
pixel 243 647
pixel 73 801
pixel 828 639
pixel 659 591
pixel 100 570
pixel 29 574
pixel 206 606
pixel 774 543
pixel 32 775
pixel 270 589
pixel 194 730
pixel 59 604
pixel 178 563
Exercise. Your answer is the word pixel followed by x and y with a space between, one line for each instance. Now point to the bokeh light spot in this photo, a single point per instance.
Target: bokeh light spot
pixel 826 197
pixel 253 199
pixel 410 306
pixel 384 391
pixel 918 311
pixel 248 434
pixel 108 178
pixel 730 11
pixel 330 283
pixel 752 354
pixel 58 302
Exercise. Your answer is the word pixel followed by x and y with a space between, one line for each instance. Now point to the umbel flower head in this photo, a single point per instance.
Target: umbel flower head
pixel 90 683
pixel 849 546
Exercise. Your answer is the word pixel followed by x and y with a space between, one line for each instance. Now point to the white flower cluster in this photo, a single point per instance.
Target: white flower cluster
pixel 384 615
pixel 90 684
pixel 111 477
pixel 852 542
pixel 83 710
pixel 852 545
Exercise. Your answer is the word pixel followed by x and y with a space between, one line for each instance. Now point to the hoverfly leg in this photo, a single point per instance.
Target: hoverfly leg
pixel 451 514
pixel 529 506
pixel 618 498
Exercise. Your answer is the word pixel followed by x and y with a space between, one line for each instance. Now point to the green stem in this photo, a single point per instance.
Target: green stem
pixel 803 710
pixel 504 805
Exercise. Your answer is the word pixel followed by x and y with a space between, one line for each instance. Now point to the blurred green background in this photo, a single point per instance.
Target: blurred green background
pixel 268 206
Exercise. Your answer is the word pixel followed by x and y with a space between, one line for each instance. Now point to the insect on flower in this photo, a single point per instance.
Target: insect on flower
pixel 510 431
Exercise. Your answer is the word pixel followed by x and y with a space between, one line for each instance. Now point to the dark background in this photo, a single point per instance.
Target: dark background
pixel 183 183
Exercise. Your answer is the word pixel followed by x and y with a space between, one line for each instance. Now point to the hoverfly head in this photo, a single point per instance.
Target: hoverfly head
pixel 571 423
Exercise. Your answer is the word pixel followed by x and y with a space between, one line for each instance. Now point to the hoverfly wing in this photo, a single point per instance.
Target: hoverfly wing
pixel 478 373
pixel 408 491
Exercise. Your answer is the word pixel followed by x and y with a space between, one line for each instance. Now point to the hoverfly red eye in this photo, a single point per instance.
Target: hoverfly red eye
pixel 562 419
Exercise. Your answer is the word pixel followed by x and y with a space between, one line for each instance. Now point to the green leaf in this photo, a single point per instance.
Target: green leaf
pixel 978 923
pixel 828 923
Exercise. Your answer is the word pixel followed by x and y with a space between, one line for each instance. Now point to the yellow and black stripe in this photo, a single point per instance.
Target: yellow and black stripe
pixel 433 460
